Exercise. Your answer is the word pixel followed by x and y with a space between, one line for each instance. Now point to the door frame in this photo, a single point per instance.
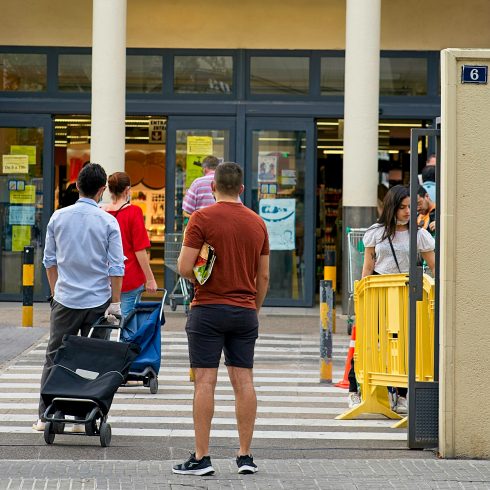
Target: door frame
pixel 44 121
pixel 291 124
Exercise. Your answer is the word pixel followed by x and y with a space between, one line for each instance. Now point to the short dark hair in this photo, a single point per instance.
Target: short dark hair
pixel 422 192
pixel 228 178
pixel 429 173
pixel 210 162
pixel 90 179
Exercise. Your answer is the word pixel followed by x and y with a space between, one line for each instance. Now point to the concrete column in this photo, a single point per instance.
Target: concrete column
pixel 108 84
pixel 464 307
pixel 361 110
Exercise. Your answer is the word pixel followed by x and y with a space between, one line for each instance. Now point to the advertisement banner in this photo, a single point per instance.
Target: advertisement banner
pixel 279 216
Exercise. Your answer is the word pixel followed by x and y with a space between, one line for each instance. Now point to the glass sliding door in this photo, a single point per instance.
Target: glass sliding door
pixel 25 199
pixel 189 141
pixel 280 188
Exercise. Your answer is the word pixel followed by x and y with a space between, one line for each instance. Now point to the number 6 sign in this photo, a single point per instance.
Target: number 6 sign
pixel 474 74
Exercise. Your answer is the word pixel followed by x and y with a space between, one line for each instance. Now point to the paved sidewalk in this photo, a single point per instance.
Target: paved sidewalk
pixel 273 474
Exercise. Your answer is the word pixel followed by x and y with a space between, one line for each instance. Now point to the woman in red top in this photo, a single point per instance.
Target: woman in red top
pixel 138 275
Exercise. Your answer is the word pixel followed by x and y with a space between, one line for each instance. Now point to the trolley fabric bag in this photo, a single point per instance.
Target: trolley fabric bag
pixel 88 369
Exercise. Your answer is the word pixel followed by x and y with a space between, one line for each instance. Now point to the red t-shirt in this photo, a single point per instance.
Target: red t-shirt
pixel 239 237
pixel 134 239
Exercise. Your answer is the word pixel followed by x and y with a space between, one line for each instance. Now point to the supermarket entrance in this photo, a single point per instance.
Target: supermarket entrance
pixel 393 168
pixel 145 162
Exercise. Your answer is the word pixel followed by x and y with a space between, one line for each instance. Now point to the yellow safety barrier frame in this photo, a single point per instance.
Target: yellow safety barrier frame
pixel 382 327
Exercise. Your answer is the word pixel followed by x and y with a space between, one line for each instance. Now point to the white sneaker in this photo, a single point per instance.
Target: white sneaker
pixel 401 405
pixel 353 399
pixel 39 425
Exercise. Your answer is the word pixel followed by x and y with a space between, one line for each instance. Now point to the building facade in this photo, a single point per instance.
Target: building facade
pixel 259 84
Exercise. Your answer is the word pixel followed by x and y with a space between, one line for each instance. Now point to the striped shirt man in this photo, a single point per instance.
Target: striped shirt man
pixel 199 194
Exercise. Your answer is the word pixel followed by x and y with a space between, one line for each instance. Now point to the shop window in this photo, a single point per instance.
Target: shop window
pixel 75 72
pixel 203 74
pixel 144 74
pixel 403 76
pixel 332 76
pixel 279 75
pixel 21 72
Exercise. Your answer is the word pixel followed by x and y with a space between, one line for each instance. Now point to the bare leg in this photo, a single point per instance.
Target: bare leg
pixel 203 408
pixel 245 405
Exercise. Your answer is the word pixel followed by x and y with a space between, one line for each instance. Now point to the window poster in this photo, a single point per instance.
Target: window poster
pixel 198 148
pixel 21 237
pixel 279 216
pixel 28 150
pixel 22 215
pixel 27 196
pixel 267 168
pixel 15 164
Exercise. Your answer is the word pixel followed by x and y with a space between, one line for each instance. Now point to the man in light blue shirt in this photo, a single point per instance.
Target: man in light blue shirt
pixel 84 262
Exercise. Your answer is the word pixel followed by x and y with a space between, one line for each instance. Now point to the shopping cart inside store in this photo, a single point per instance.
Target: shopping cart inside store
pixel 183 290
pixel 355 251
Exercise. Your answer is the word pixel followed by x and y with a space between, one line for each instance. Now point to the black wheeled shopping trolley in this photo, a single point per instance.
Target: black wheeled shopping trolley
pixel 83 381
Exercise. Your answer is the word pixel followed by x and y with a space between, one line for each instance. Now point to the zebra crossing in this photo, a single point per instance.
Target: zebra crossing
pixel 291 402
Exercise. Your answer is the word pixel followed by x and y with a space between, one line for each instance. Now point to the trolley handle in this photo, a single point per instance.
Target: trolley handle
pixel 102 322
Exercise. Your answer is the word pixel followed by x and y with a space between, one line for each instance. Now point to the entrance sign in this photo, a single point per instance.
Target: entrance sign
pixel 474 74
pixel 156 130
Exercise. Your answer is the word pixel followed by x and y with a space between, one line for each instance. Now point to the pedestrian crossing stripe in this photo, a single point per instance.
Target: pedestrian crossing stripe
pixel 292 403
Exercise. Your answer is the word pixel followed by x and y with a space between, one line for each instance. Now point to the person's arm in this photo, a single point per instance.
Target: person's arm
pixel 52 273
pixel 430 258
pixel 369 260
pixel 144 262
pixel 186 261
pixel 262 281
pixel 116 284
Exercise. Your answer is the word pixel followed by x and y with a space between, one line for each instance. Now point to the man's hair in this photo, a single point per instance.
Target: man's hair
pixel 210 162
pixel 422 192
pixel 228 178
pixel 90 179
pixel 429 173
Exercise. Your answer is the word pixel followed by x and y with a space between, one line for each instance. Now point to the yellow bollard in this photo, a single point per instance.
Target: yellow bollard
pixel 27 286
pixel 330 274
pixel 326 302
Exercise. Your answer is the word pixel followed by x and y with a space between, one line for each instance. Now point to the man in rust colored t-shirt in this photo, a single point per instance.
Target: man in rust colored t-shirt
pixel 223 316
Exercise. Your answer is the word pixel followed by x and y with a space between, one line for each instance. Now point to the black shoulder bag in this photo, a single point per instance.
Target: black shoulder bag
pixel 394 255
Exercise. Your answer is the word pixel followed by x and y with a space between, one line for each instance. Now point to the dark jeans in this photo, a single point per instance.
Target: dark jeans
pixel 68 321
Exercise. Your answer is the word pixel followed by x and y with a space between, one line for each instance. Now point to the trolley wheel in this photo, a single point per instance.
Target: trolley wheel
pixel 173 304
pixel 59 427
pixel 153 385
pixel 105 434
pixel 49 434
pixel 91 428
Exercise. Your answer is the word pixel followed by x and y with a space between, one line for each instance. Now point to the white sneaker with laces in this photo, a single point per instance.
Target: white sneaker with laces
pixel 401 405
pixel 39 425
pixel 353 399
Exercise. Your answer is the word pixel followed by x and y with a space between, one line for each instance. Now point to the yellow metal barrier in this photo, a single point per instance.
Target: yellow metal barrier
pixel 381 355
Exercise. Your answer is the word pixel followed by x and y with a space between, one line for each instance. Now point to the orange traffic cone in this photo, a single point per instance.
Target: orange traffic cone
pixel 350 354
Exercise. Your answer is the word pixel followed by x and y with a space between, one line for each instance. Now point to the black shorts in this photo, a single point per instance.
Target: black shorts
pixel 212 329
